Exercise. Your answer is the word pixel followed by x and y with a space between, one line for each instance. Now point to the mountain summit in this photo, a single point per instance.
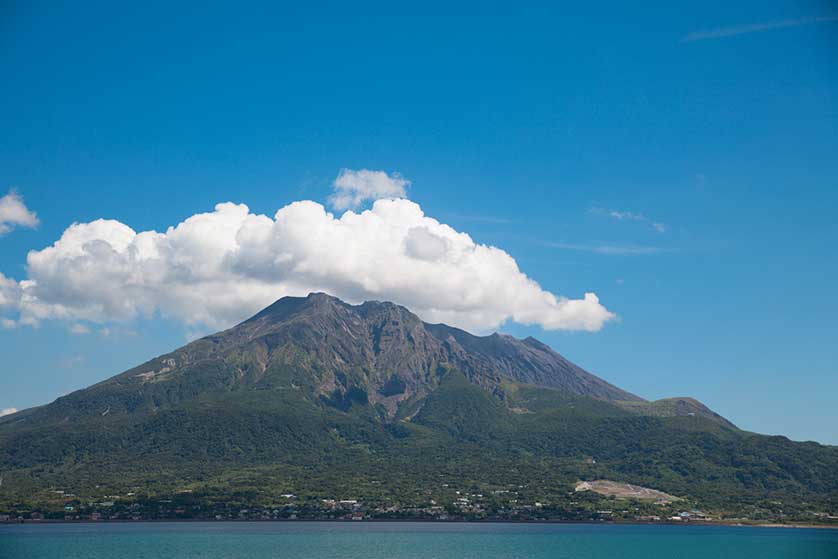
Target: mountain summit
pixel 386 352
pixel 377 354
pixel 319 396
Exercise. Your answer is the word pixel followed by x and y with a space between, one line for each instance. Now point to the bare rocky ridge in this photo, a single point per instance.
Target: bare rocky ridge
pixel 396 349
pixel 381 353
pixel 375 353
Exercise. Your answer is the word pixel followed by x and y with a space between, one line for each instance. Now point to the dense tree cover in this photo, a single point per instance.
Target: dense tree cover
pixel 249 446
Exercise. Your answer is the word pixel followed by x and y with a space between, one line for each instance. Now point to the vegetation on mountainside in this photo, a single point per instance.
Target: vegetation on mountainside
pixel 249 447
pixel 328 402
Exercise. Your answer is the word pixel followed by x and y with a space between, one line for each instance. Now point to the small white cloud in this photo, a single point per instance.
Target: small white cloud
pixel 13 213
pixel 7 411
pixel 630 216
pixel 79 329
pixel 353 188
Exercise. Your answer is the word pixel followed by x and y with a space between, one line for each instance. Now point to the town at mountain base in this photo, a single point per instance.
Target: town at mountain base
pixel 317 409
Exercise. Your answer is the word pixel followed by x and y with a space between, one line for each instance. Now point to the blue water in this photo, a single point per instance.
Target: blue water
pixel 301 540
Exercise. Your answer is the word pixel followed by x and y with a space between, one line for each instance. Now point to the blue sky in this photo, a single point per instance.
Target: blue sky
pixel 678 161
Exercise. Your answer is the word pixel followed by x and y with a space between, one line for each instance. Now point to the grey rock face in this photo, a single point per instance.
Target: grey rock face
pixel 341 354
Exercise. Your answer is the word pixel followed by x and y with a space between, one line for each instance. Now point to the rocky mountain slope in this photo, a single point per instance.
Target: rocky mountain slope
pixel 376 353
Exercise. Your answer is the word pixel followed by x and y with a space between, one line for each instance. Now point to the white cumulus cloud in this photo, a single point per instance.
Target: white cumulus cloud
pixel 353 188
pixel 217 268
pixel 7 411
pixel 13 212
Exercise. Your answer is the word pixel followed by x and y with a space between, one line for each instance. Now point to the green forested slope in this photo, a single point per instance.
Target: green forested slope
pixel 272 408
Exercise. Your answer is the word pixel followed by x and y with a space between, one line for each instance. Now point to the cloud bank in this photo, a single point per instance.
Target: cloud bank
pixel 353 188
pixel 7 411
pixel 217 268
pixel 13 213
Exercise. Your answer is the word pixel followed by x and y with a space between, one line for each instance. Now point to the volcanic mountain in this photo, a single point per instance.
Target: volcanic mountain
pixel 322 397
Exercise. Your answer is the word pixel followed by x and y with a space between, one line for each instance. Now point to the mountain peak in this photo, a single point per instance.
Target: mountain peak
pixel 319 297
pixel 287 306
pixel 377 351
pixel 385 334
pixel 376 354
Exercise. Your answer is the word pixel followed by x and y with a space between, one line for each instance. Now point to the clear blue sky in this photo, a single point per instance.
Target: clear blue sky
pixel 521 124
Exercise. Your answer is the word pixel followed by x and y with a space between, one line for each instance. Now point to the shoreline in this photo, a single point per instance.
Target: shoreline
pixel 803 526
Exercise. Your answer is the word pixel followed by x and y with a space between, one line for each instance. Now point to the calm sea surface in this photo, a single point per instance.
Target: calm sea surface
pixel 301 540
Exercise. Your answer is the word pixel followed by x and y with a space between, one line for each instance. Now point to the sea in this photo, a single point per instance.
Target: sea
pixel 408 540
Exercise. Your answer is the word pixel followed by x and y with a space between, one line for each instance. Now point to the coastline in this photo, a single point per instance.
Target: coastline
pixel 804 526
